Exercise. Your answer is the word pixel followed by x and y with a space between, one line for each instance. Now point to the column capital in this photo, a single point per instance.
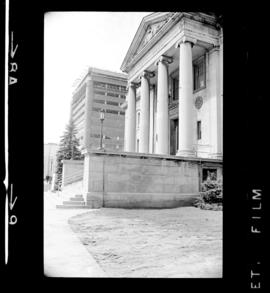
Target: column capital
pixel 131 84
pixel 186 39
pixel 147 74
pixel 164 59
pixel 214 48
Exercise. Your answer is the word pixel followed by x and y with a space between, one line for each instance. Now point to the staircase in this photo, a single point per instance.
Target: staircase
pixel 76 202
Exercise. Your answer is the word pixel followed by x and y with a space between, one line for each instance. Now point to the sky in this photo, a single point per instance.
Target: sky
pixel 74 41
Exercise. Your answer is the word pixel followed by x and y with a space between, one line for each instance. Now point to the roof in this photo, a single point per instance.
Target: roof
pixel 153 27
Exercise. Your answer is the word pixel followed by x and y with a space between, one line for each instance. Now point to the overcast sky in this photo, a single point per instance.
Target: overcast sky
pixel 73 42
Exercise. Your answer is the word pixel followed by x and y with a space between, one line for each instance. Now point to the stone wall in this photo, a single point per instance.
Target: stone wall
pixel 132 180
pixel 72 171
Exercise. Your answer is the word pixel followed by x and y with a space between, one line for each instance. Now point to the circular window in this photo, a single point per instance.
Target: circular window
pixel 198 102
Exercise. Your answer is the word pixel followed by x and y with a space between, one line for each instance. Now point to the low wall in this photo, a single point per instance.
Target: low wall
pixel 72 171
pixel 133 180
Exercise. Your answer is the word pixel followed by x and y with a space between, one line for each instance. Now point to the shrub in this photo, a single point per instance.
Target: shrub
pixel 211 196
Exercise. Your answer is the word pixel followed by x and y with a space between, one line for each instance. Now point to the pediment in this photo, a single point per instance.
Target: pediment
pixel 151 31
pixel 149 28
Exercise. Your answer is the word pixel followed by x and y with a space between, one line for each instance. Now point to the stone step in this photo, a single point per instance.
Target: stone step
pixel 76 203
pixel 72 207
pixel 79 195
pixel 76 199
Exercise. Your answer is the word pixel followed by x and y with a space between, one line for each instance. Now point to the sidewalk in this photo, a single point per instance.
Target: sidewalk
pixel 64 254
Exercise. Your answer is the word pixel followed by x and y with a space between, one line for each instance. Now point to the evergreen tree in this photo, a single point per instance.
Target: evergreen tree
pixel 68 150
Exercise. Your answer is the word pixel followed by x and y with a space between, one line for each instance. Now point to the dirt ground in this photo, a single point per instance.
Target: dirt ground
pixel 183 242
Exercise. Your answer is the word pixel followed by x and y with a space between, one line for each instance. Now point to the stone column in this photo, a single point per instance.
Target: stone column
pixel 221 91
pixel 145 113
pixel 89 95
pixel 215 102
pixel 151 130
pixel 130 132
pixel 162 130
pixel 187 118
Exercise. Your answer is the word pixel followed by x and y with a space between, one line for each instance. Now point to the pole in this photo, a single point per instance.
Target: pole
pixel 101 134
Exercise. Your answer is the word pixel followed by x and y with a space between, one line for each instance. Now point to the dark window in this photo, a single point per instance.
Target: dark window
pixel 111 111
pixel 199 74
pixel 175 84
pixel 113 95
pixel 112 103
pixel 99 84
pixel 123 97
pixel 123 88
pixel 199 130
pixel 209 173
pixel 113 86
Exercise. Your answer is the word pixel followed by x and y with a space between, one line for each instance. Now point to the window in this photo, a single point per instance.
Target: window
pixel 113 86
pixel 209 173
pixel 99 84
pixel 113 95
pixel 199 130
pixel 199 74
pixel 175 89
pixel 112 103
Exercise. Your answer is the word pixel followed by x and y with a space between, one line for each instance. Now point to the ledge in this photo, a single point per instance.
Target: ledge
pixel 76 162
pixel 152 156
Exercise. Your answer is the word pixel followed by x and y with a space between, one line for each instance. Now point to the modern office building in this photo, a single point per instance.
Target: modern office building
pixel 100 89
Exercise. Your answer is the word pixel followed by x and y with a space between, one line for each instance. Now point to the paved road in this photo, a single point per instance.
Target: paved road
pixel 64 254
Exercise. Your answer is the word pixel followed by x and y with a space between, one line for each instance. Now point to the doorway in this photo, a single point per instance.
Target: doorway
pixel 173 136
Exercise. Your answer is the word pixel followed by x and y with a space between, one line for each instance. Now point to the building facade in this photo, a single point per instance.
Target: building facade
pixel 175 86
pixel 100 89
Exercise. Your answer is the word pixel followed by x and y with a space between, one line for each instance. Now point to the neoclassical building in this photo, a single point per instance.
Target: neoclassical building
pixel 175 86
pixel 173 117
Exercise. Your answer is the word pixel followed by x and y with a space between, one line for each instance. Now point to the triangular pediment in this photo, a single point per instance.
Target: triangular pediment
pixel 151 31
pixel 150 26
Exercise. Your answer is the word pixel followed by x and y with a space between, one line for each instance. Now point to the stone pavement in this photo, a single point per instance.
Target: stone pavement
pixel 64 254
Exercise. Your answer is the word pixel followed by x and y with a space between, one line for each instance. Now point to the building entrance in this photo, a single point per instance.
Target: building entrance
pixel 173 136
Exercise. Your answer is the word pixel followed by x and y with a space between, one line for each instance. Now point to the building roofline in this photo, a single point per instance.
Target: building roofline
pixel 99 71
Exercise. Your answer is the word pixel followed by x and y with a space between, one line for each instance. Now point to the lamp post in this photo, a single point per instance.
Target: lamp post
pixel 101 117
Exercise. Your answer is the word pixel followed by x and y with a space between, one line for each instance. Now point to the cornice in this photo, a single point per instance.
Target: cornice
pixel 185 21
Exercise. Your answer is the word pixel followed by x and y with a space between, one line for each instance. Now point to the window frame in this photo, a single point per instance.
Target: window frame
pixel 199 130
pixel 196 67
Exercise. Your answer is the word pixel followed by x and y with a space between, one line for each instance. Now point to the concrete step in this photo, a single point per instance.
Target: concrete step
pixel 72 207
pixel 76 199
pixel 76 203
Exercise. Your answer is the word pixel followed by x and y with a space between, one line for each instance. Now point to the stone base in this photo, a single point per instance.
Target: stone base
pixel 217 156
pixel 148 200
pixel 94 200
